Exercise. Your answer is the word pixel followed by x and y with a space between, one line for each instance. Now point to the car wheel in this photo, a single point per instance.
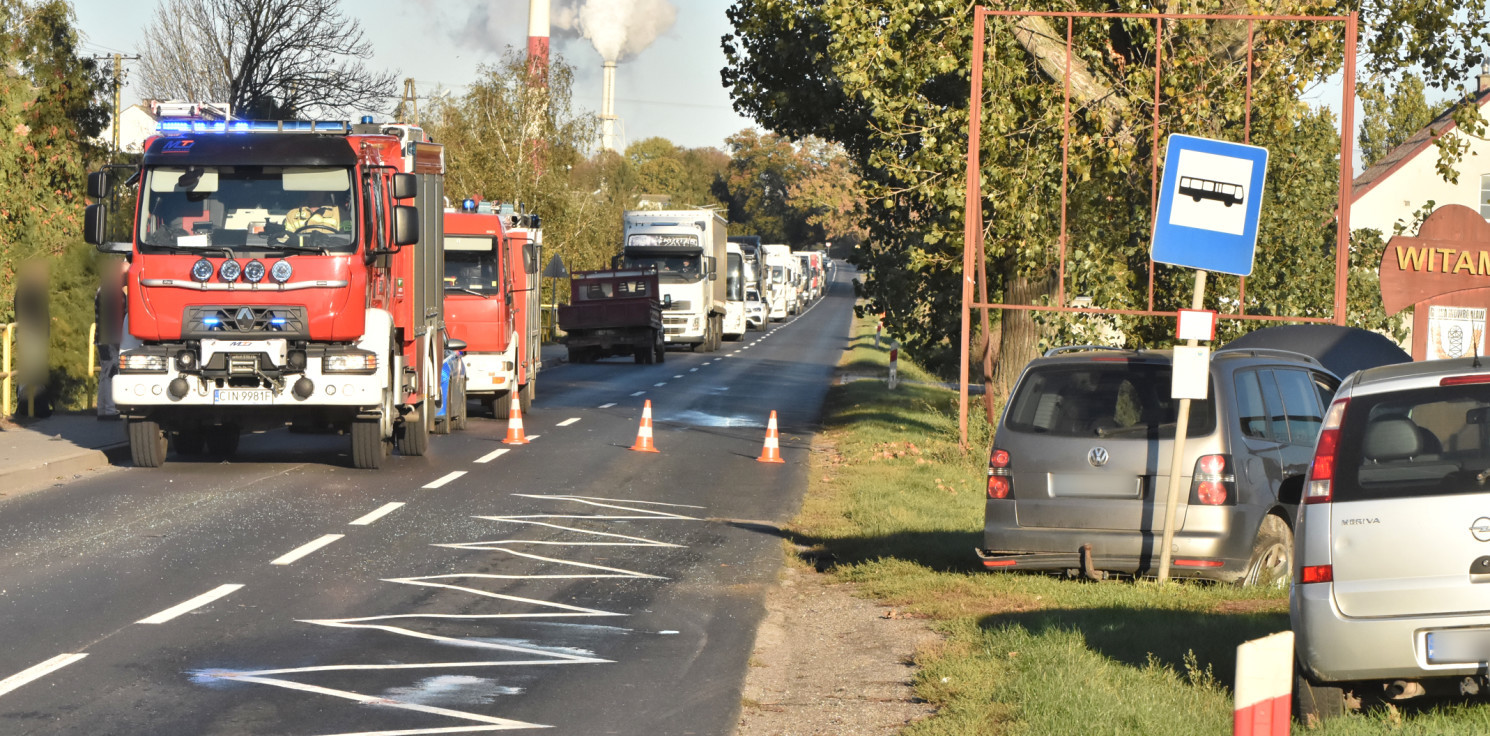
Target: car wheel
pixel 1271 562
pixel 1314 703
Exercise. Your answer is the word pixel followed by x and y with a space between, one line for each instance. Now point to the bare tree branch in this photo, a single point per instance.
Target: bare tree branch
pixel 266 58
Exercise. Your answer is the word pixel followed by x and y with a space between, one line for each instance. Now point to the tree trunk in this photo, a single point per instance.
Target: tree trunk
pixel 1018 335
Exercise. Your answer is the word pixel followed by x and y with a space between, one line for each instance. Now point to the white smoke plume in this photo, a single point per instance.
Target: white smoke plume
pixel 619 29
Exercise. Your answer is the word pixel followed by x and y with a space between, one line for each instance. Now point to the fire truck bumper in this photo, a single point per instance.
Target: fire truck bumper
pixel 314 387
pixel 489 373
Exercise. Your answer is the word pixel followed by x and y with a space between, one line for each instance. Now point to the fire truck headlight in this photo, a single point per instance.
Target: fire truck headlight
pixel 280 271
pixel 201 270
pixel 142 363
pixel 229 270
pixel 358 362
pixel 253 272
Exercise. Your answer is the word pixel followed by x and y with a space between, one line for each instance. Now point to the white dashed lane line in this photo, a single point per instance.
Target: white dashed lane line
pixel 382 511
pixel 638 393
pixel 659 385
pixel 305 549
pixel 448 477
pixel 693 370
pixel 678 376
pixel 190 605
pixel 493 455
pixel 567 422
pixel 36 672
pixel 607 406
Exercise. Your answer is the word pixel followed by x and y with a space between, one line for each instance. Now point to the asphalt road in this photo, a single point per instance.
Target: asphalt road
pixel 569 583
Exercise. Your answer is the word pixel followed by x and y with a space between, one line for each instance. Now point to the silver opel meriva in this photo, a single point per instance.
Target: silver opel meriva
pixel 1391 590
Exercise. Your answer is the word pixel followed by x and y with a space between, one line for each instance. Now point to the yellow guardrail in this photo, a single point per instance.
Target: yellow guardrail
pixel 6 368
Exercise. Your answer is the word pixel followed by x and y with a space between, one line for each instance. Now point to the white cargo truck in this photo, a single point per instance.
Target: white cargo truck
pixel 781 268
pixel 687 247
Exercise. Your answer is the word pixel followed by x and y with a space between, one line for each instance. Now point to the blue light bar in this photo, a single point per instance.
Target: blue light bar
pixel 211 321
pixel 278 321
pixel 192 125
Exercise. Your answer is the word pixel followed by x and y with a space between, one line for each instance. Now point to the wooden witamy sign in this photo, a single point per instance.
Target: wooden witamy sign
pixel 1451 253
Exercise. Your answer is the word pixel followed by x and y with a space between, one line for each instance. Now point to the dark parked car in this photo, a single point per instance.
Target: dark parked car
pixel 1078 473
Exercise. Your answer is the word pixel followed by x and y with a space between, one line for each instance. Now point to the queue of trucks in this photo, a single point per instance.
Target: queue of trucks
pixel 312 274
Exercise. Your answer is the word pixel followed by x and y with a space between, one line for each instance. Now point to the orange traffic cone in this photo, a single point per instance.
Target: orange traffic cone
pixel 644 432
pixel 515 434
pixel 771 453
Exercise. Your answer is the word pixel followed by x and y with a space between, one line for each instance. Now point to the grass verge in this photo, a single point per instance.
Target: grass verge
pixel 898 508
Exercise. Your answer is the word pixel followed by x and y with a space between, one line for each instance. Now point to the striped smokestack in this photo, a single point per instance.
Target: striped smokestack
pixel 538 33
pixel 608 108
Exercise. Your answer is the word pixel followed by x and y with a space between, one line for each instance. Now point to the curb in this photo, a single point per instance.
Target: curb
pixel 59 468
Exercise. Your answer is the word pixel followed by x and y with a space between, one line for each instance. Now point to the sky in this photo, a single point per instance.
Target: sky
pixel 670 89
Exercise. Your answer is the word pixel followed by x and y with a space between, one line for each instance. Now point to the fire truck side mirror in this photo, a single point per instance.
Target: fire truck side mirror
pixel 99 185
pixel 94 218
pixel 405 186
pixel 405 224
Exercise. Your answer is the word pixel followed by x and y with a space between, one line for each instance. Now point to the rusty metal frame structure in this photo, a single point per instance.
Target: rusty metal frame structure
pixel 974 257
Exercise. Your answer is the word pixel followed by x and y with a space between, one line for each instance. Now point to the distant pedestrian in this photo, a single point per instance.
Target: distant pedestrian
pixel 108 314
pixel 34 338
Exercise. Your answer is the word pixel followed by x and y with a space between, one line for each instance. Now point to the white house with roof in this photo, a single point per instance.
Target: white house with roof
pixel 135 125
pixel 1407 178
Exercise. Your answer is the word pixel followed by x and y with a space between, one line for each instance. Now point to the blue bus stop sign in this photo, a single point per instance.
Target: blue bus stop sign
pixel 1209 202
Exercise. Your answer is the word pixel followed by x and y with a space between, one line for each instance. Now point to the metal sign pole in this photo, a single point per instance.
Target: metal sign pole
pixel 1177 459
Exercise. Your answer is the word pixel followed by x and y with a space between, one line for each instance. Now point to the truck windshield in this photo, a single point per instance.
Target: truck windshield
pixel 248 208
pixel 472 265
pixel 672 268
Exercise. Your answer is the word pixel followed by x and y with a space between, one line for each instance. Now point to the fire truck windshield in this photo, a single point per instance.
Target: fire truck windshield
pixel 472 265
pixel 248 208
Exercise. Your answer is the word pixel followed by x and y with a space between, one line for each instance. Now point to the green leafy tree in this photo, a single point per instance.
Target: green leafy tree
pixel 50 107
pixel 511 141
pixel 1391 116
pixel 889 81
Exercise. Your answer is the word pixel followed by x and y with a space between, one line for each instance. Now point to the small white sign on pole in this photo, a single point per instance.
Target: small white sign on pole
pixel 1196 324
pixel 1191 372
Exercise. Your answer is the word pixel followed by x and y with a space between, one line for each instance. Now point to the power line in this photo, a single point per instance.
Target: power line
pixel 118 65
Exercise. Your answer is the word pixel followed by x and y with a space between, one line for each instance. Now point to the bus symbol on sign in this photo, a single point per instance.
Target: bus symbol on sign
pixel 1198 189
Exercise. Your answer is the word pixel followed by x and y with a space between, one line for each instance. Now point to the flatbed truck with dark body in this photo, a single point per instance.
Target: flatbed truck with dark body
pixel 613 313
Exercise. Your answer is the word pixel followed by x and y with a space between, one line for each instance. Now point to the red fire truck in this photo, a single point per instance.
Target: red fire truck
pixel 281 272
pixel 491 300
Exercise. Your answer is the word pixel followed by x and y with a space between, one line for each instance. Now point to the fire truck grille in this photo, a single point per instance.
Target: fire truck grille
pixel 226 321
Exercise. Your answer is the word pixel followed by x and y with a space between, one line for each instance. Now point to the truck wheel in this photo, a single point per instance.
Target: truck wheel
pixel 222 441
pixel 368 447
pixel 528 394
pixel 412 436
pixel 147 443
pixel 659 351
pixel 188 444
pixel 441 425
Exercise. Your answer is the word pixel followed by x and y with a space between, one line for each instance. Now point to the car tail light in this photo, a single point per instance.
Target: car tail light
pixel 1000 478
pixel 1212 483
pixel 1322 471
pixel 1317 574
pixel 1461 380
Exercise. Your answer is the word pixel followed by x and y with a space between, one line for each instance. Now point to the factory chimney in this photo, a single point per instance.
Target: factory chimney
pixel 608 108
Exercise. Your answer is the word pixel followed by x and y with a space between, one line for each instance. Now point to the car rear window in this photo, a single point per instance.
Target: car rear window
pixel 1425 442
pixel 1103 399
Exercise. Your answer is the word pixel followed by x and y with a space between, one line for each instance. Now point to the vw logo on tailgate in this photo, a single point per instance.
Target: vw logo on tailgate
pixel 1097 457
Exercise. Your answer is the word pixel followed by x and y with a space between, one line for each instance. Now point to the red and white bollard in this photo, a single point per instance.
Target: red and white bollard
pixel 1264 686
pixel 894 373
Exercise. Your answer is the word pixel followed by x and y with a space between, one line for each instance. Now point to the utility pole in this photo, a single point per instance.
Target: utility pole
pixel 119 60
pixel 410 101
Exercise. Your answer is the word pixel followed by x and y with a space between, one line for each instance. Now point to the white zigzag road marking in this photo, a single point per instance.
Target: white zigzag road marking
pixel 480 723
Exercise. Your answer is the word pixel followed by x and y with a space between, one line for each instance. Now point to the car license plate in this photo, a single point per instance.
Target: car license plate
pixel 1458 646
pixel 242 396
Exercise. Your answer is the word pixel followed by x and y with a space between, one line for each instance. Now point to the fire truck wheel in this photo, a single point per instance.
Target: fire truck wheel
pixel 187 444
pixel 441 425
pixel 222 441
pixel 368 447
pixel 412 435
pixel 458 419
pixel 147 443
pixel 528 393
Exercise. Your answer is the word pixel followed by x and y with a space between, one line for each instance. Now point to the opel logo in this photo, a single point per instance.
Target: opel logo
pixel 1480 529
pixel 1098 457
